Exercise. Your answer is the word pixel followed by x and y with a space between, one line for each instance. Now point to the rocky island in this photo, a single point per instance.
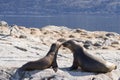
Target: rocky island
pixel 19 45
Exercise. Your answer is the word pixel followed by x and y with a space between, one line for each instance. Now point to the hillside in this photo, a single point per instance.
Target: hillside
pixel 59 7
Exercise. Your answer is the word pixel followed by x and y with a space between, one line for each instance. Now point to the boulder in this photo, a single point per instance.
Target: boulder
pixel 3 23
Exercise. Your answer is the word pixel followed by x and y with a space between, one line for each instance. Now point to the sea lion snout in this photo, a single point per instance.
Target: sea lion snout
pixel 68 43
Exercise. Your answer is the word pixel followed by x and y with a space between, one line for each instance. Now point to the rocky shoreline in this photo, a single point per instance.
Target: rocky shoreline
pixel 19 45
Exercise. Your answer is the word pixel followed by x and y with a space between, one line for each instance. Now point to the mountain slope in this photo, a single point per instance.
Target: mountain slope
pixel 49 7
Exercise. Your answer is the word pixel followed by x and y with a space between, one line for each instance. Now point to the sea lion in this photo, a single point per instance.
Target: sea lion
pixel 86 61
pixel 46 62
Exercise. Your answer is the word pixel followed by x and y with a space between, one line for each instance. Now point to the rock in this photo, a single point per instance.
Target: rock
pixel 35 32
pixel 98 44
pixel 15 31
pixel 47 74
pixel 55 77
pixel 20 48
pixel 105 47
pixel 24 29
pixel 22 36
pixel 110 34
pixel 71 36
pixel 4 75
pixel 115 42
pixel 87 44
pixel 32 44
pixel 3 23
pixel 61 40
pixel 79 31
pixel 107 43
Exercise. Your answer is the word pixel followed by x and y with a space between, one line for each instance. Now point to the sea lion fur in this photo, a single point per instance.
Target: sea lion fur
pixel 46 62
pixel 87 61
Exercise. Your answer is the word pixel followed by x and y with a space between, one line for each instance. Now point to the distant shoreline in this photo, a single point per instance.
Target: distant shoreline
pixel 50 15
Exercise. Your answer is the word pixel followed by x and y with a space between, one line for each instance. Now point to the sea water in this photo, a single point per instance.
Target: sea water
pixel 109 23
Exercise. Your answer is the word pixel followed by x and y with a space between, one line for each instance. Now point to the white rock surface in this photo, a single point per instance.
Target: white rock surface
pixel 15 51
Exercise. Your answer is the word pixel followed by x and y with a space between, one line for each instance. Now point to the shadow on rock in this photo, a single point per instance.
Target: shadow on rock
pixel 21 75
pixel 77 72
pixel 4 36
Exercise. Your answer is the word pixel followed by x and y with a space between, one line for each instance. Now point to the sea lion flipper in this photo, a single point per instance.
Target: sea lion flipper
pixel 73 67
pixel 75 63
pixel 55 69
pixel 55 65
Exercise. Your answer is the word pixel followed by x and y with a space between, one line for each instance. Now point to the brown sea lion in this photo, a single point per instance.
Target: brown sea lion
pixel 86 61
pixel 46 62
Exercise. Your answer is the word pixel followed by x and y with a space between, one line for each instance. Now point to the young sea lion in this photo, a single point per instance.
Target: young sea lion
pixel 46 62
pixel 86 61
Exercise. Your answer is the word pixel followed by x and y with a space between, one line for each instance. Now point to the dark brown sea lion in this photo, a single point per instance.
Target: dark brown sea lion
pixel 87 61
pixel 48 61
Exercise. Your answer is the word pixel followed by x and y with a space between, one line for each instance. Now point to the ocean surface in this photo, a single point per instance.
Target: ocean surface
pixel 109 23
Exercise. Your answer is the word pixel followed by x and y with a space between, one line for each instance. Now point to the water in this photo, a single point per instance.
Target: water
pixel 89 22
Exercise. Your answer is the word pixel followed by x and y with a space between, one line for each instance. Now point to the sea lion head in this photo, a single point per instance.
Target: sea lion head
pixel 69 44
pixel 73 45
pixel 55 46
